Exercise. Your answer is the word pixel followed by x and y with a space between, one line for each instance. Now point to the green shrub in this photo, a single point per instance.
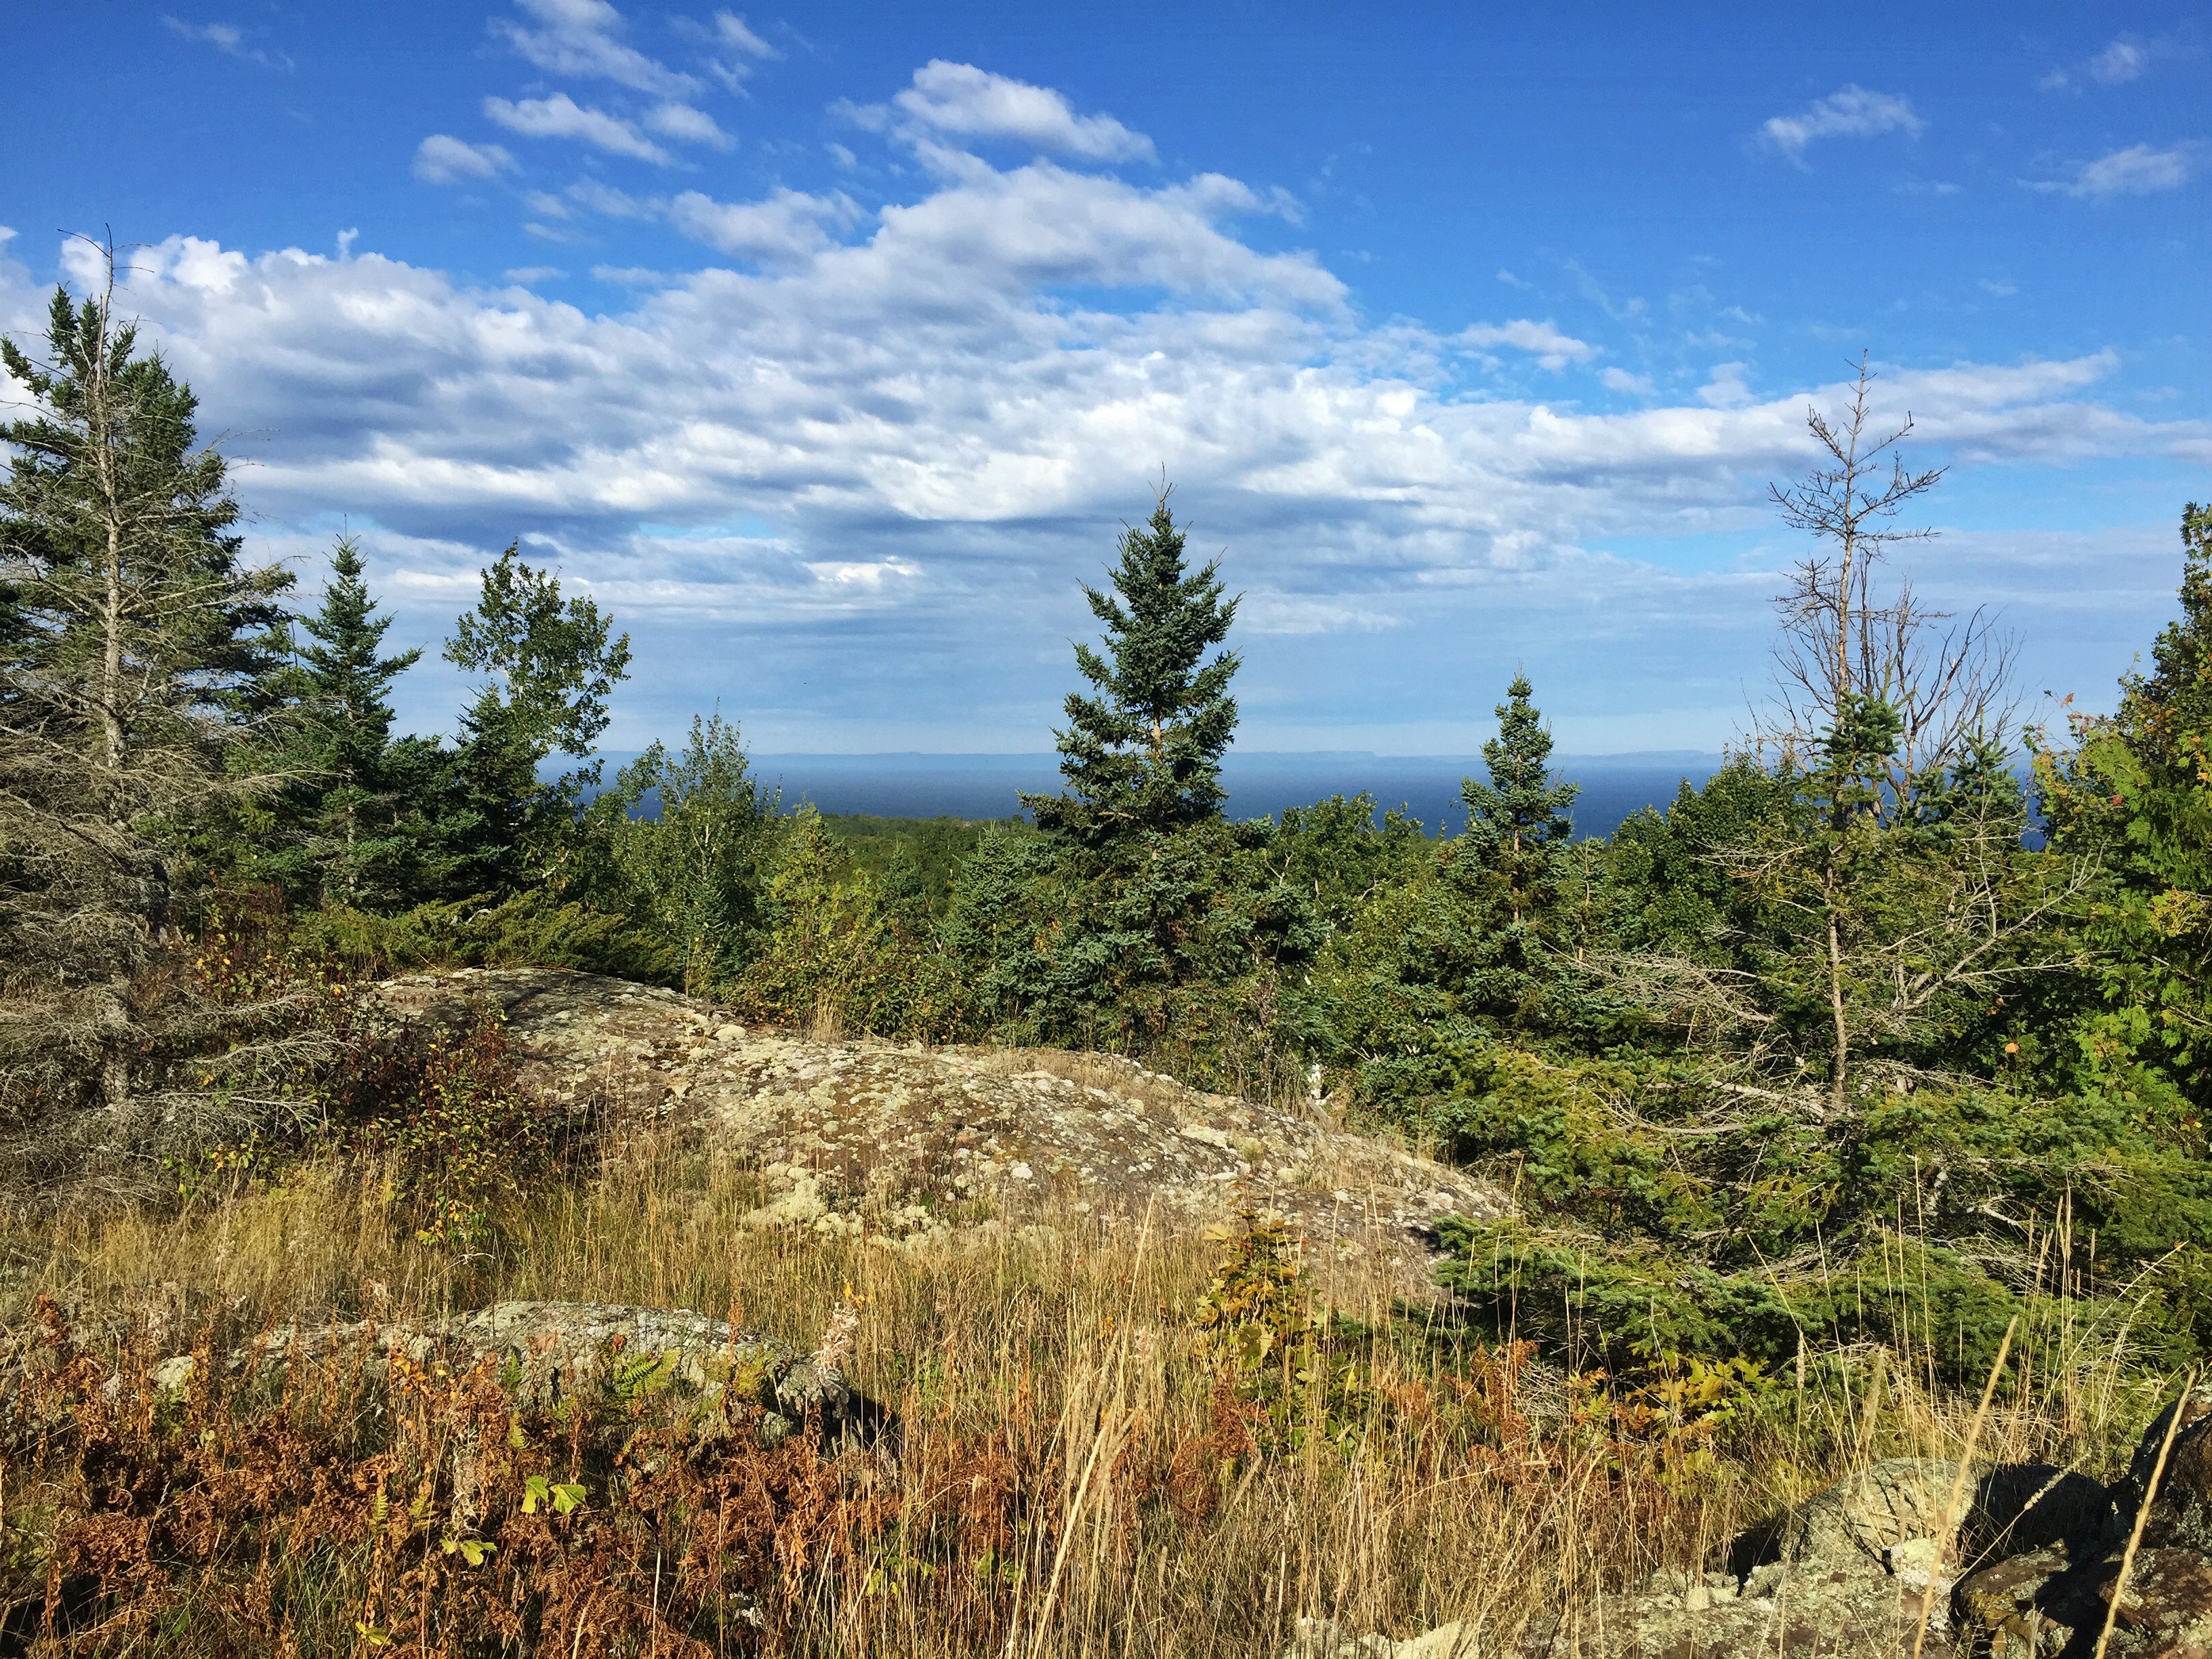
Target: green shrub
pixel 526 929
pixel 465 1140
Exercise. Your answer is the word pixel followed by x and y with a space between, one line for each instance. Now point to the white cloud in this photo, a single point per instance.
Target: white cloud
pixel 1851 112
pixel 731 30
pixel 960 101
pixel 1552 349
pixel 632 277
pixel 527 274
pixel 787 225
pixel 605 199
pixel 2119 63
pixel 562 117
pixel 228 38
pixel 1729 388
pixel 873 576
pixel 2126 58
pixel 2138 170
pixel 577 38
pixel 688 126
pixel 443 160
pixel 920 429
pixel 1635 386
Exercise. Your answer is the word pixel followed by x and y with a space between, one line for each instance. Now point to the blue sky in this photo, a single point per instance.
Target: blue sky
pixel 828 347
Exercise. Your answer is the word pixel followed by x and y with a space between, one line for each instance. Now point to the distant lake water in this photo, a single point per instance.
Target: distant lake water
pixel 1260 784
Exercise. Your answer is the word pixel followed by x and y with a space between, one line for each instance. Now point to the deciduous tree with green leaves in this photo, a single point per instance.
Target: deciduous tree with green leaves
pixel 2134 792
pixel 693 873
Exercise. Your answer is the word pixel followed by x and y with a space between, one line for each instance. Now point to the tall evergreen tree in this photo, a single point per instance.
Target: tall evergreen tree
pixel 133 626
pixel 1518 822
pixel 1482 951
pixel 1144 753
pixel 353 835
pixel 1143 919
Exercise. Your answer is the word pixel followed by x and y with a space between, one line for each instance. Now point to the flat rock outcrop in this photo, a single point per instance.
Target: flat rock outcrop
pixel 545 1356
pixel 899 1143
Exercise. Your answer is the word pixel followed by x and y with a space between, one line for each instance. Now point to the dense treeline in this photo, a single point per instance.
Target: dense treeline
pixel 1830 1049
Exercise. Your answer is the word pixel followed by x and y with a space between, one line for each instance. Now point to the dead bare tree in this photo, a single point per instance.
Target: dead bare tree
pixel 1895 892
pixel 1845 637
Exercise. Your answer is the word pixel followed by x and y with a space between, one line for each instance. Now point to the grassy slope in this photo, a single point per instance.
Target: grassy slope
pixel 1430 1480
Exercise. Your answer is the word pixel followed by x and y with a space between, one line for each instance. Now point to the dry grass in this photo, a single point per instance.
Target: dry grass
pixel 1075 1475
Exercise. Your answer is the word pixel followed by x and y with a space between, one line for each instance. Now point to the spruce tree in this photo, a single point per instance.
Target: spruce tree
pixel 1518 822
pixel 354 838
pixel 132 628
pixel 1144 753
pixel 1486 943
pixel 1143 921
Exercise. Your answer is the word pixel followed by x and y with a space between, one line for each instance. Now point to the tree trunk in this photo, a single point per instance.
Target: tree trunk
pixel 1840 1065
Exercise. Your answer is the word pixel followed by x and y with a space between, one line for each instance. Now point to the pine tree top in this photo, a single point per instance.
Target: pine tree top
pixel 1145 752
pixel 1520 807
pixel 347 684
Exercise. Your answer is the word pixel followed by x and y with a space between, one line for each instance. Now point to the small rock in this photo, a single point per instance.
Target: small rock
pixel 172 1374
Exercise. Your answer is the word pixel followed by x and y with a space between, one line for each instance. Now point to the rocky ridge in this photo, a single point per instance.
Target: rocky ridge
pixel 905 1145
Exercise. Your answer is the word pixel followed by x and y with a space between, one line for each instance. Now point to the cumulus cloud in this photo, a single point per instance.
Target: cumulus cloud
pixel 443 160
pixel 920 429
pixel 1730 388
pixel 1552 349
pixel 787 226
pixel 1851 112
pixel 2138 170
pixel 580 38
pixel 562 117
pixel 962 102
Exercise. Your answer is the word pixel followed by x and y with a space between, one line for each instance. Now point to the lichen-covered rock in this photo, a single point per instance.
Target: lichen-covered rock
pixel 910 1147
pixel 1324 1638
pixel 2005 1509
pixel 547 1352
pixel 1854 1569
pixel 2006 1610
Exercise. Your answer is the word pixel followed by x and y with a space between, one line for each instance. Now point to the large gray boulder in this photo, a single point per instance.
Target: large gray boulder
pixel 901 1146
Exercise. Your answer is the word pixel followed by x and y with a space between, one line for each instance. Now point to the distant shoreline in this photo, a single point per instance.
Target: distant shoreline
pixel 1260 783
